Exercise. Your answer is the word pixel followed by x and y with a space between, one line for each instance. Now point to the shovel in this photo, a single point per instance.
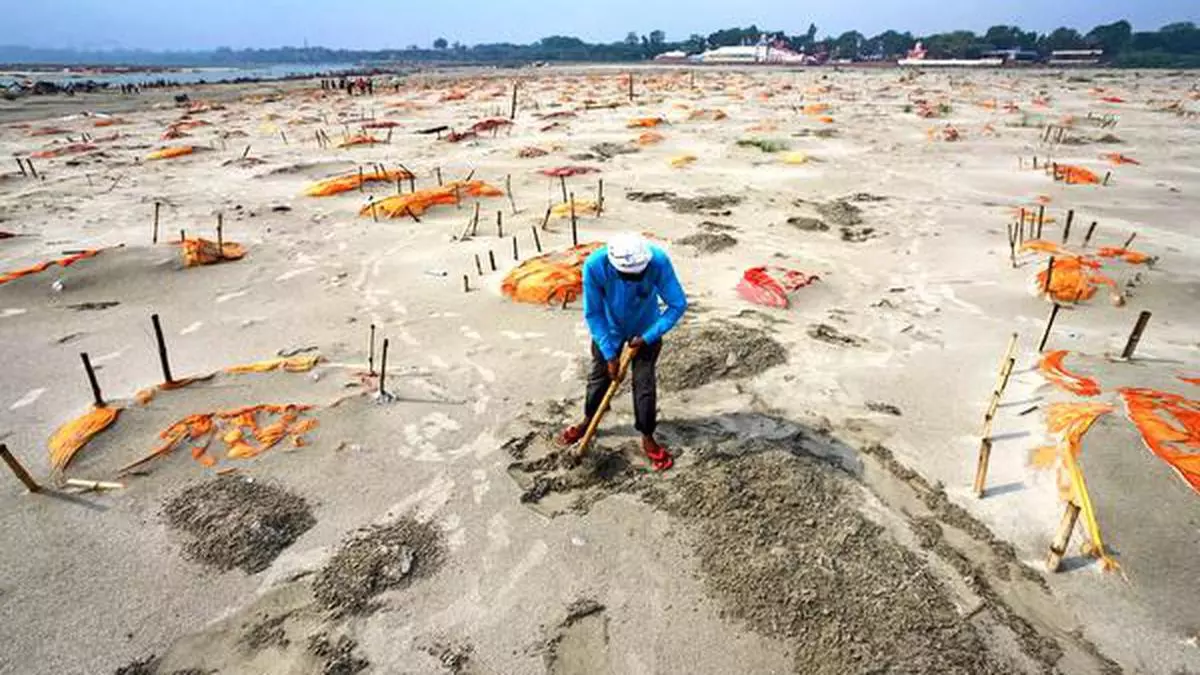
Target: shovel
pixel 594 425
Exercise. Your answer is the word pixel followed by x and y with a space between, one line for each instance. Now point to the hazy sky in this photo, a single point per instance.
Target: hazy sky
pixel 372 24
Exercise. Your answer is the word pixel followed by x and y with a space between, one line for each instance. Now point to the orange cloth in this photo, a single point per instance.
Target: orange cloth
pixel 198 252
pixel 1118 159
pixel 650 138
pixel 1070 421
pixel 358 139
pixel 644 122
pixel 416 203
pixel 239 429
pixel 554 277
pixel 1170 428
pixel 1051 367
pixel 1074 279
pixel 70 437
pixel 172 151
pixel 1075 175
pixel 1129 256
pixel 340 184
pixel 5 277
pixel 294 364
pixel 1043 246
pixel 71 149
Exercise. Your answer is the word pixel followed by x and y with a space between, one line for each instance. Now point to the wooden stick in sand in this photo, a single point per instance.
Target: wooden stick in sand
pixel 411 213
pixel 512 110
pixel 283 136
pixel 154 236
pixel 1041 218
pixel 546 219
pixel 1067 227
pixel 574 229
pixel 383 369
pixel 29 163
pixel 1136 336
pixel 1049 325
pixel 97 398
pixel 1049 276
pixel 1088 237
pixel 478 265
pixel 475 221
pixel 162 350
pixel 466 284
pixel 246 152
pixel 1058 547
pixel 360 179
pixel 562 181
pixel 492 259
pixel 1107 175
pixel 1129 241
pixel 437 171
pixel 985 443
pixel 537 241
pixel 374 214
pixel 516 252
pixel 1012 243
pixel 18 470
pixel 220 236
pixel 371 353
pixel 599 197
pixel 500 224
pixel 594 424
pixel 508 190
pixel 21 166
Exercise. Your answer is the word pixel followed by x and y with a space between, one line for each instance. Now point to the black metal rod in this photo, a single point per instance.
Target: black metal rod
pixel 383 368
pixel 162 349
pixel 97 398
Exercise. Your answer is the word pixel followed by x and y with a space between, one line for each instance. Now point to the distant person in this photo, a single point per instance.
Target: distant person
pixel 623 285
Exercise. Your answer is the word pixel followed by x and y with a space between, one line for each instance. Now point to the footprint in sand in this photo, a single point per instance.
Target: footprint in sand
pixel 11 311
pixel 29 398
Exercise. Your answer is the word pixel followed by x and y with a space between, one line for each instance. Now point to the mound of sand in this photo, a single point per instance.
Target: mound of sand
pixel 376 559
pixel 696 353
pixel 236 522
pixel 708 242
pixel 782 544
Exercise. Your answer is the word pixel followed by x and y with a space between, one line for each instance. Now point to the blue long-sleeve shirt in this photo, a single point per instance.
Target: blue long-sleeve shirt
pixel 617 310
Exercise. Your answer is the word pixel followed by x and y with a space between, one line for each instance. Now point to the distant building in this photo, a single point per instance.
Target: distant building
pixel 917 57
pixel 1011 56
pixel 764 52
pixel 672 57
pixel 1075 57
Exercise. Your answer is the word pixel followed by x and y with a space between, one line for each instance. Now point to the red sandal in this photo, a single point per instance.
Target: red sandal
pixel 660 459
pixel 571 435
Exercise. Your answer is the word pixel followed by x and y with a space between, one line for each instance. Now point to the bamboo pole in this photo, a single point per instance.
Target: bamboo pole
pixel 985 443
pixel 1058 547
pixel 19 471
pixel 594 423
pixel 1136 335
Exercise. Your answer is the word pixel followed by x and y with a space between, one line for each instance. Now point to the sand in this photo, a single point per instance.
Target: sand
pixel 545 564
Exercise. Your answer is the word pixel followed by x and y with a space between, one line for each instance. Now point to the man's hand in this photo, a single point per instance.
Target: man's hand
pixel 636 344
pixel 614 369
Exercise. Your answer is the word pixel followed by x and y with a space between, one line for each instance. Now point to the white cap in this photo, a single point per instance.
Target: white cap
pixel 629 253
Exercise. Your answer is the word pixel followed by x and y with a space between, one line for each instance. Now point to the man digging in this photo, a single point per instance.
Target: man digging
pixel 623 284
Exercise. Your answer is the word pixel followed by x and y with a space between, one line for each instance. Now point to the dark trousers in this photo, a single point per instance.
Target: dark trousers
pixel 645 386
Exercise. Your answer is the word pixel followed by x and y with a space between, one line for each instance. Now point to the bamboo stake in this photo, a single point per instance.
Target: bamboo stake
pixel 985 443
pixel 97 398
pixel 1058 547
pixel 1049 325
pixel 21 166
pixel 220 236
pixel 537 241
pixel 1067 227
pixel 154 237
pixel 516 253
pixel 574 230
pixel 1049 275
pixel 18 470
pixel 371 353
pixel 508 189
pixel 546 220
pixel 162 349
pixel 1136 336
pixel 562 181
pixel 1088 237
pixel 1129 241
pixel 492 259
pixel 466 284
pixel 383 369
pixel 600 198
pixel 500 224
pixel 438 172
pixel 29 163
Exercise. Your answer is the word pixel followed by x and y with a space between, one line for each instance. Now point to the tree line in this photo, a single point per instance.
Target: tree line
pixel 1173 45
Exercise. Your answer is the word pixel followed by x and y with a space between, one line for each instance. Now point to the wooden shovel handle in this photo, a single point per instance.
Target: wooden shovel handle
pixel 626 358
